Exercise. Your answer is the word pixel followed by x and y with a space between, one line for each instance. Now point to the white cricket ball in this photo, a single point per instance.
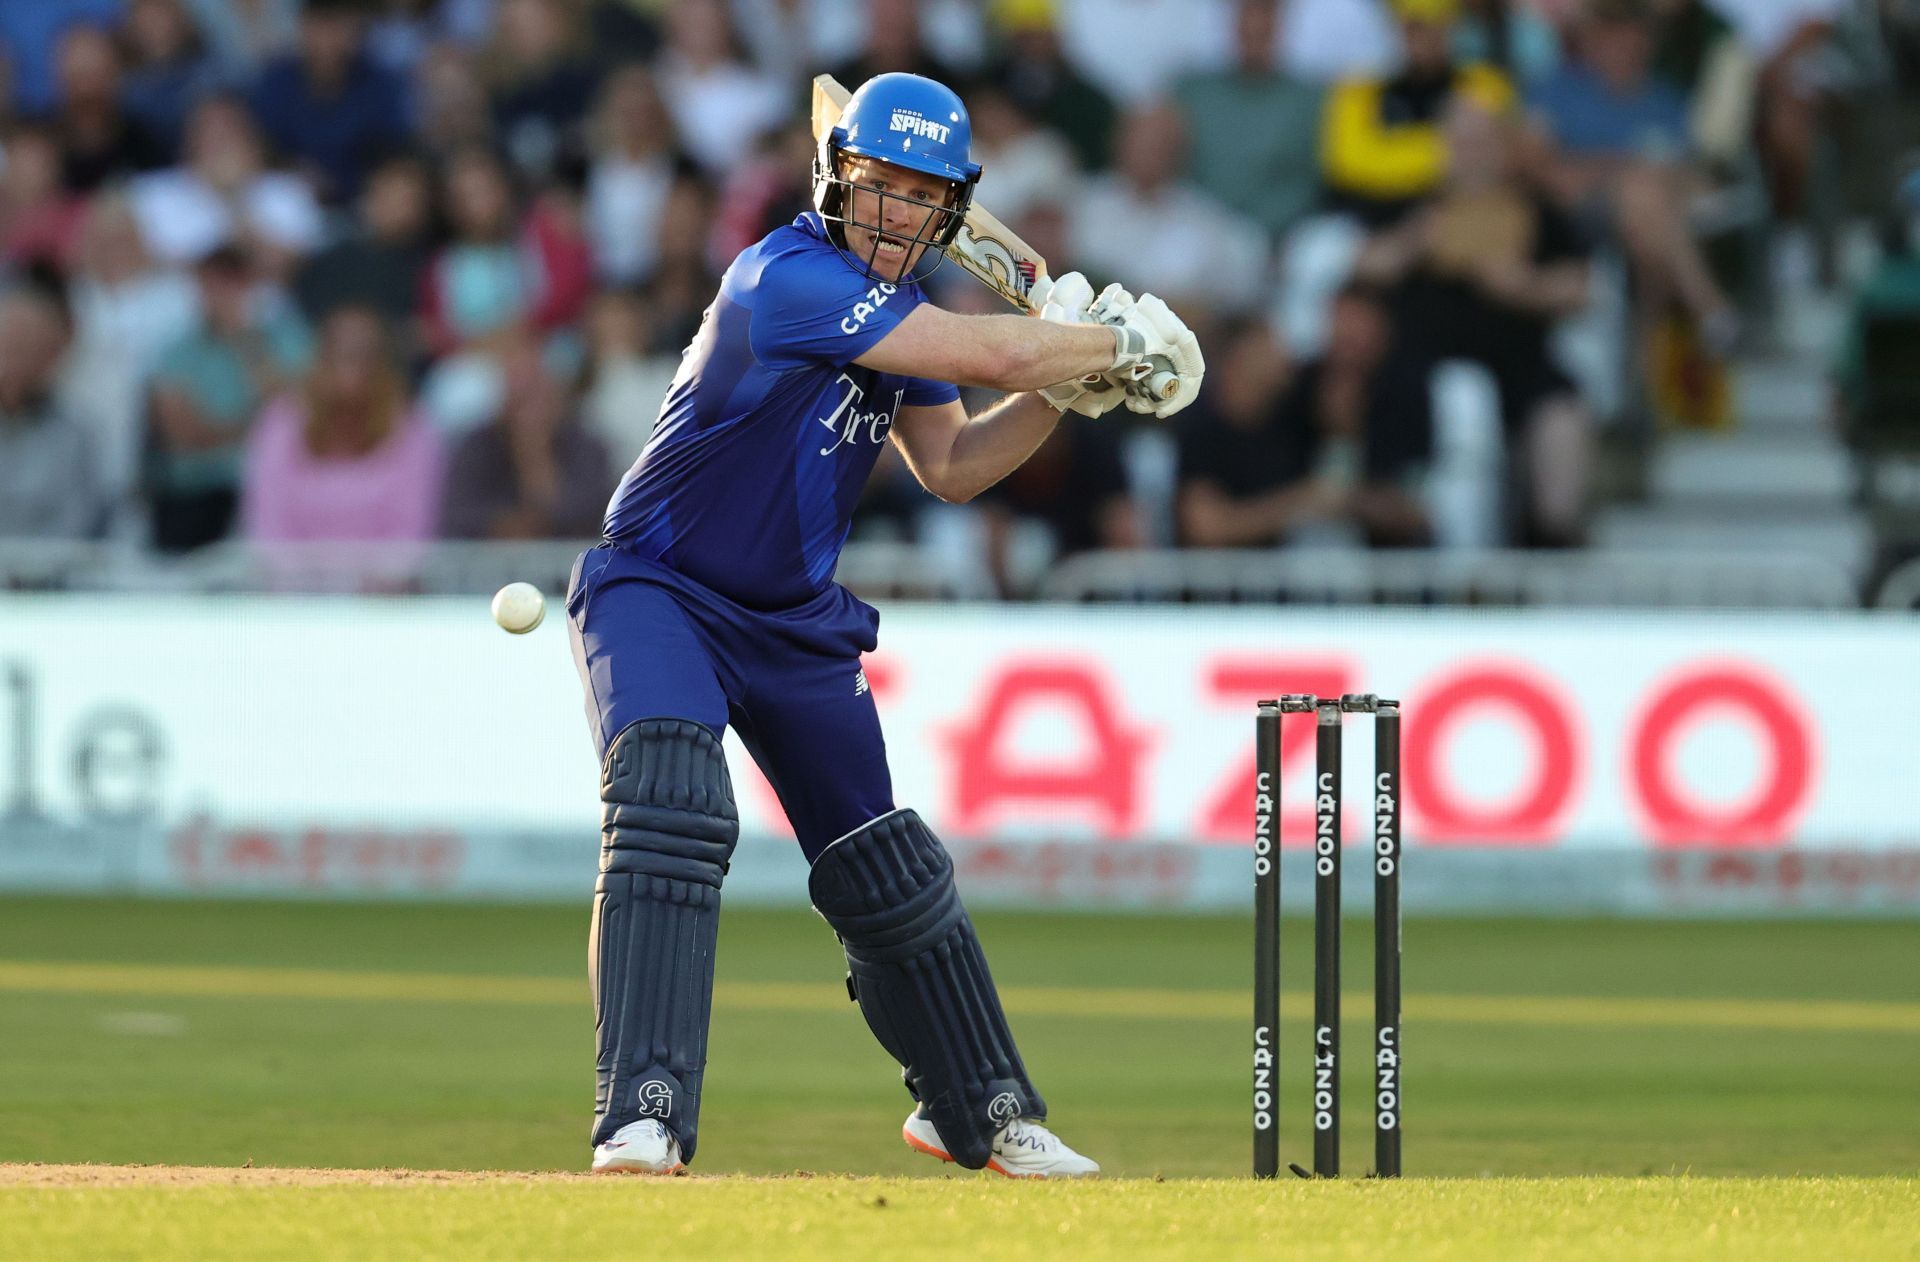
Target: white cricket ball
pixel 519 607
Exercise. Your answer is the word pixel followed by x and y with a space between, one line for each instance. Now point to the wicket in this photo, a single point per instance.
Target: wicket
pixel 1329 715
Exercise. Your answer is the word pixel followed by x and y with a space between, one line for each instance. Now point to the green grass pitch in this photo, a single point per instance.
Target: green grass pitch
pixel 1664 1056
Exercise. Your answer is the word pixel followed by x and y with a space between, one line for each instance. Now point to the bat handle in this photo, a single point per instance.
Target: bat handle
pixel 1162 382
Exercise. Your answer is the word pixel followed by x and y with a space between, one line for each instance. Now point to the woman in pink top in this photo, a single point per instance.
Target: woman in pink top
pixel 347 458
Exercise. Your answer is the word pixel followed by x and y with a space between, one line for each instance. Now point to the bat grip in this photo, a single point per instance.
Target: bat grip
pixel 1162 381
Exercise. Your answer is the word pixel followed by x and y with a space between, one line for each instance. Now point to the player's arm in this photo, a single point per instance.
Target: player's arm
pixel 1000 352
pixel 957 456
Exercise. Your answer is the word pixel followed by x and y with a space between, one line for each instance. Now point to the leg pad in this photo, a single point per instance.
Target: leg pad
pixel 921 980
pixel 668 828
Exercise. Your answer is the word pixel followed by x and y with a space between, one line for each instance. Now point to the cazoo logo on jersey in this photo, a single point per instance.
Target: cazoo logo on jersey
pixel 876 298
pixel 847 420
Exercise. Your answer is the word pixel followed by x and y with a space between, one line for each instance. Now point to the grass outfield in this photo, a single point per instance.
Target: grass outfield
pixel 300 1216
pixel 459 1038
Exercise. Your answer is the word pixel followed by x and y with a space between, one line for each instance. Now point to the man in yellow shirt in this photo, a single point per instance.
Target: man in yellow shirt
pixel 1381 148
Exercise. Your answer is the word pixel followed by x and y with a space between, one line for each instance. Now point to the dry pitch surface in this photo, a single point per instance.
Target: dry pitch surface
pixel 169 1212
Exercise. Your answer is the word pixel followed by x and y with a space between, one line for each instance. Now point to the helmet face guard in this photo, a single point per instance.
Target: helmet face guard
pixel 833 198
pixel 905 121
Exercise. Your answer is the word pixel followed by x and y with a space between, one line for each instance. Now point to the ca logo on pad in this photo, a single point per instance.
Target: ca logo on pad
pixel 655 1099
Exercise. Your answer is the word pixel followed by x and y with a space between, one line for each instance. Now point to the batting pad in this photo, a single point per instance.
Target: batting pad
pixel 921 980
pixel 668 827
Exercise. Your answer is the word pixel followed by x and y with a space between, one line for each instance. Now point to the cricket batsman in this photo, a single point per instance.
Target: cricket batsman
pixel 711 602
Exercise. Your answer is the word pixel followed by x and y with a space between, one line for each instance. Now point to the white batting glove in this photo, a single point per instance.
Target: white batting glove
pixel 1068 301
pixel 1155 340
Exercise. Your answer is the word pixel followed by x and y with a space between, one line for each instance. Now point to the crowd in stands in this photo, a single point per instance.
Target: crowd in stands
pixel 288 270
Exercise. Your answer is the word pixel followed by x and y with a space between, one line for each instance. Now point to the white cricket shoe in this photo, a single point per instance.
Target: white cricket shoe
pixel 643 1147
pixel 1023 1149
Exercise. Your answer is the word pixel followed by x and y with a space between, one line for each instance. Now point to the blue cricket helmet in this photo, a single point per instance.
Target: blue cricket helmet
pixel 909 121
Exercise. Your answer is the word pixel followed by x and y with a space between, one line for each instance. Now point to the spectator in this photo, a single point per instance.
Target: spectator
pixel 1619 144
pixel 223 193
pixel 1251 127
pixel 1108 41
pixel 1074 490
pixel 542 88
pixel 98 140
pixel 1037 76
pixel 1022 164
pixel 244 35
pixel 767 190
pixel 168 68
pixel 500 273
pixel 127 312
pixel 1143 223
pixel 345 458
pixel 450 109
pixel 1266 458
pixel 31 33
pixel 626 380
pixel 39 219
pixel 49 480
pixel 892 39
pixel 1877 374
pixel 329 106
pixel 1483 273
pixel 1515 36
pixel 1326 41
pixel 633 166
pixel 1380 144
pixel 720 105
pixel 536 472
pixel 382 259
pixel 207 390
pixel 683 285
pixel 402 32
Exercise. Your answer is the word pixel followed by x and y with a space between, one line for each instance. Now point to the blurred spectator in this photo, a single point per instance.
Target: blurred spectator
pixel 30 33
pixel 950 32
pixel 622 31
pixel 402 31
pixel 536 472
pixel 633 166
pixel 1380 145
pixel 626 380
pixel 890 40
pixel 98 140
pixel 1877 373
pixel 1021 164
pixel 1251 128
pixel 49 477
pixel 223 193
pixel 1163 236
pixel 767 190
pixel 1514 36
pixel 684 283
pixel 541 87
pixel 381 260
pixel 1073 488
pixel 207 390
pixel 329 105
pixel 500 272
pixel 1483 273
pixel 244 35
pixel 1037 76
pixel 1267 458
pixel 167 68
pixel 344 458
pixel 450 110
pixel 1135 49
pixel 39 219
pixel 1619 144
pixel 720 104
pixel 1324 41
pixel 127 311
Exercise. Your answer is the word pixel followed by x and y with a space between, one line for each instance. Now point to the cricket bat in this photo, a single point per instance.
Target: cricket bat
pixel 985 248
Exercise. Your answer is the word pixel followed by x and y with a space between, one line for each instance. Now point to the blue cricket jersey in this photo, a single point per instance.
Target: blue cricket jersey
pixel 770 430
